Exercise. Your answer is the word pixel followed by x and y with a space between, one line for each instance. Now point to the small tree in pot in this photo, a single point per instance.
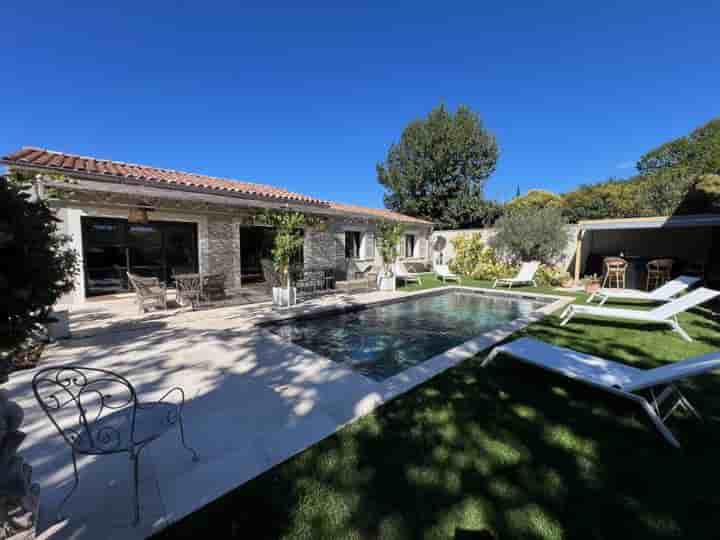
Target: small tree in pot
pixel 389 235
pixel 289 240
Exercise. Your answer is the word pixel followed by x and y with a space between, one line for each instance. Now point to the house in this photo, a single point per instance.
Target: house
pixel 159 222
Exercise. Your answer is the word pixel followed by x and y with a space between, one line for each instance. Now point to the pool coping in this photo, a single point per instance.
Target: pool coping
pixel 408 379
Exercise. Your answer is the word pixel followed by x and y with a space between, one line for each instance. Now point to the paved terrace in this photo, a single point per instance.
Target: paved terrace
pixel 253 401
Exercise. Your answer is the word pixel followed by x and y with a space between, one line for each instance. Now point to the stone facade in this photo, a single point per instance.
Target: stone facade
pixel 319 249
pixel 218 240
pixel 223 249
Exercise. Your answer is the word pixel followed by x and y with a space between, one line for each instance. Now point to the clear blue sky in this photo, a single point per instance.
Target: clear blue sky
pixel 310 98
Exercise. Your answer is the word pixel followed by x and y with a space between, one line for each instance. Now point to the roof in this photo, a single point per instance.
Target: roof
pixel 656 222
pixel 60 162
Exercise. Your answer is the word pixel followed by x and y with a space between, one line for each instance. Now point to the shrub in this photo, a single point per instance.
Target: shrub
pixel 474 259
pixel 529 235
pixel 42 266
pixel 549 275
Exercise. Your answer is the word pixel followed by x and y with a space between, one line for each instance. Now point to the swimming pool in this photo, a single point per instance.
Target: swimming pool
pixel 383 340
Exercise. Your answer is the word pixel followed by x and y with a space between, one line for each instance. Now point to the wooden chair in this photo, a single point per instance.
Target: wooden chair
pixel 187 289
pixel 615 272
pixel 148 291
pixel 659 271
pixel 213 286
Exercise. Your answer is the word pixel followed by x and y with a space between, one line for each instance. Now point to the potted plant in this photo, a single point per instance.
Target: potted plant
pixel 592 284
pixel 566 281
pixel 288 242
pixel 389 234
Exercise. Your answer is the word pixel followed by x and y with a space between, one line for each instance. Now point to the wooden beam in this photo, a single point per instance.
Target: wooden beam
pixel 578 253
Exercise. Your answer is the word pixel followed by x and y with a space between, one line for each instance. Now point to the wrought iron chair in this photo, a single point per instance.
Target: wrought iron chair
pixel 97 413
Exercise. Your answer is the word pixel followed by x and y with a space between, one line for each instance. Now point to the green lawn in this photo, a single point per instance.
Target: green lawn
pixel 510 451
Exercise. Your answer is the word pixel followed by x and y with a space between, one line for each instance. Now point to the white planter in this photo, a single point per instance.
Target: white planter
pixel 386 283
pixel 284 297
pixel 61 328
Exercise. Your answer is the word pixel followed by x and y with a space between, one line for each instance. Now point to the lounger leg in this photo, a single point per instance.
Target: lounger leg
pixel 534 283
pixel 591 298
pixel 567 315
pixel 659 424
pixel 604 299
pixel 495 283
pixel 676 326
pixel 490 357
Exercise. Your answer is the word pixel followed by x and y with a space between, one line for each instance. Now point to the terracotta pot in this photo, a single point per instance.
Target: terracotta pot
pixel 592 286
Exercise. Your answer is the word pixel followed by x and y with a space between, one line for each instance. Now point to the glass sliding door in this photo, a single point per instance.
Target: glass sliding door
pixel 145 249
pixel 256 243
pixel 112 247
pixel 180 249
pixel 104 255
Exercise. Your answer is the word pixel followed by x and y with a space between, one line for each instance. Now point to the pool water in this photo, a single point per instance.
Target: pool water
pixel 384 340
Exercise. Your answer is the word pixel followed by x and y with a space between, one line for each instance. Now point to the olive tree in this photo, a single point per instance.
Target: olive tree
pixel 531 235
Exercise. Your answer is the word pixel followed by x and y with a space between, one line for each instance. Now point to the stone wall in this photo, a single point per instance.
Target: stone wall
pixel 319 249
pixel 223 249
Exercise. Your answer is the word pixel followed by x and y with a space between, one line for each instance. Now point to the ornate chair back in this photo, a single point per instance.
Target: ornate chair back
pixel 79 401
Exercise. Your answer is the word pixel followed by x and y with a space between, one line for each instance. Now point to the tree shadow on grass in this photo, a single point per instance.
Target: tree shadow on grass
pixel 509 449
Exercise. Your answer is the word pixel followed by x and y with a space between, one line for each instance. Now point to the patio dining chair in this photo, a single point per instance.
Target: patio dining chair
pixel 97 412
pixel 148 290
pixel 615 272
pixel 659 271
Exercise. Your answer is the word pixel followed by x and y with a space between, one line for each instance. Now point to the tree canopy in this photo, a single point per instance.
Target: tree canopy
pixel 529 234
pixel 535 199
pixel 677 177
pixel 439 168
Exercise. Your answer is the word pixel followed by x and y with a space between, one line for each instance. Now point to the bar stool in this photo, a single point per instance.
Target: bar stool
pixel 659 271
pixel 615 271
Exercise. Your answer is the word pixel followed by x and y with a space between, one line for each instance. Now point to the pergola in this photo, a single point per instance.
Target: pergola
pixel 674 234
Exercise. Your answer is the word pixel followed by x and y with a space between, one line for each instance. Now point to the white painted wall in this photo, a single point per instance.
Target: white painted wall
pixel 71 225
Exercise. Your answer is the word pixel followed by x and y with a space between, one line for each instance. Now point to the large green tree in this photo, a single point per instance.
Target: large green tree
pixel 695 154
pixel 535 199
pixel 438 169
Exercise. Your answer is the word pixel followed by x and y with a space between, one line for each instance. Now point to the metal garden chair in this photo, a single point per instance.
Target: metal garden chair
pixel 97 413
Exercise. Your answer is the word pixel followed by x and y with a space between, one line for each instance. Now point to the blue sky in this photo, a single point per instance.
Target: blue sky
pixel 310 98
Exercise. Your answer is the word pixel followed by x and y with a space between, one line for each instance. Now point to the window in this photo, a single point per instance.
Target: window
pixel 352 244
pixel 409 245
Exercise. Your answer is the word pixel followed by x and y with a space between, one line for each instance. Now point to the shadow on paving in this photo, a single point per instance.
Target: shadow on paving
pixel 507 452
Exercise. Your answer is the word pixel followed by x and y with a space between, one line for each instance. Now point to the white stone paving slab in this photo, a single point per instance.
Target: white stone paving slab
pixel 252 401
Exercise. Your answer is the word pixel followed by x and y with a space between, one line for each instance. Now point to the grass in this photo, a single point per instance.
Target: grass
pixel 507 452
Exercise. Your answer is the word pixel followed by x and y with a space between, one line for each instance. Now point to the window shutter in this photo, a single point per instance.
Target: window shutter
pixel 401 251
pixel 422 247
pixel 369 245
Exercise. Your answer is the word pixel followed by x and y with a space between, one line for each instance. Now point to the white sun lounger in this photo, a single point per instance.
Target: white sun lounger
pixel 442 271
pixel 401 272
pixel 649 388
pixel 661 294
pixel 525 276
pixel 666 314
